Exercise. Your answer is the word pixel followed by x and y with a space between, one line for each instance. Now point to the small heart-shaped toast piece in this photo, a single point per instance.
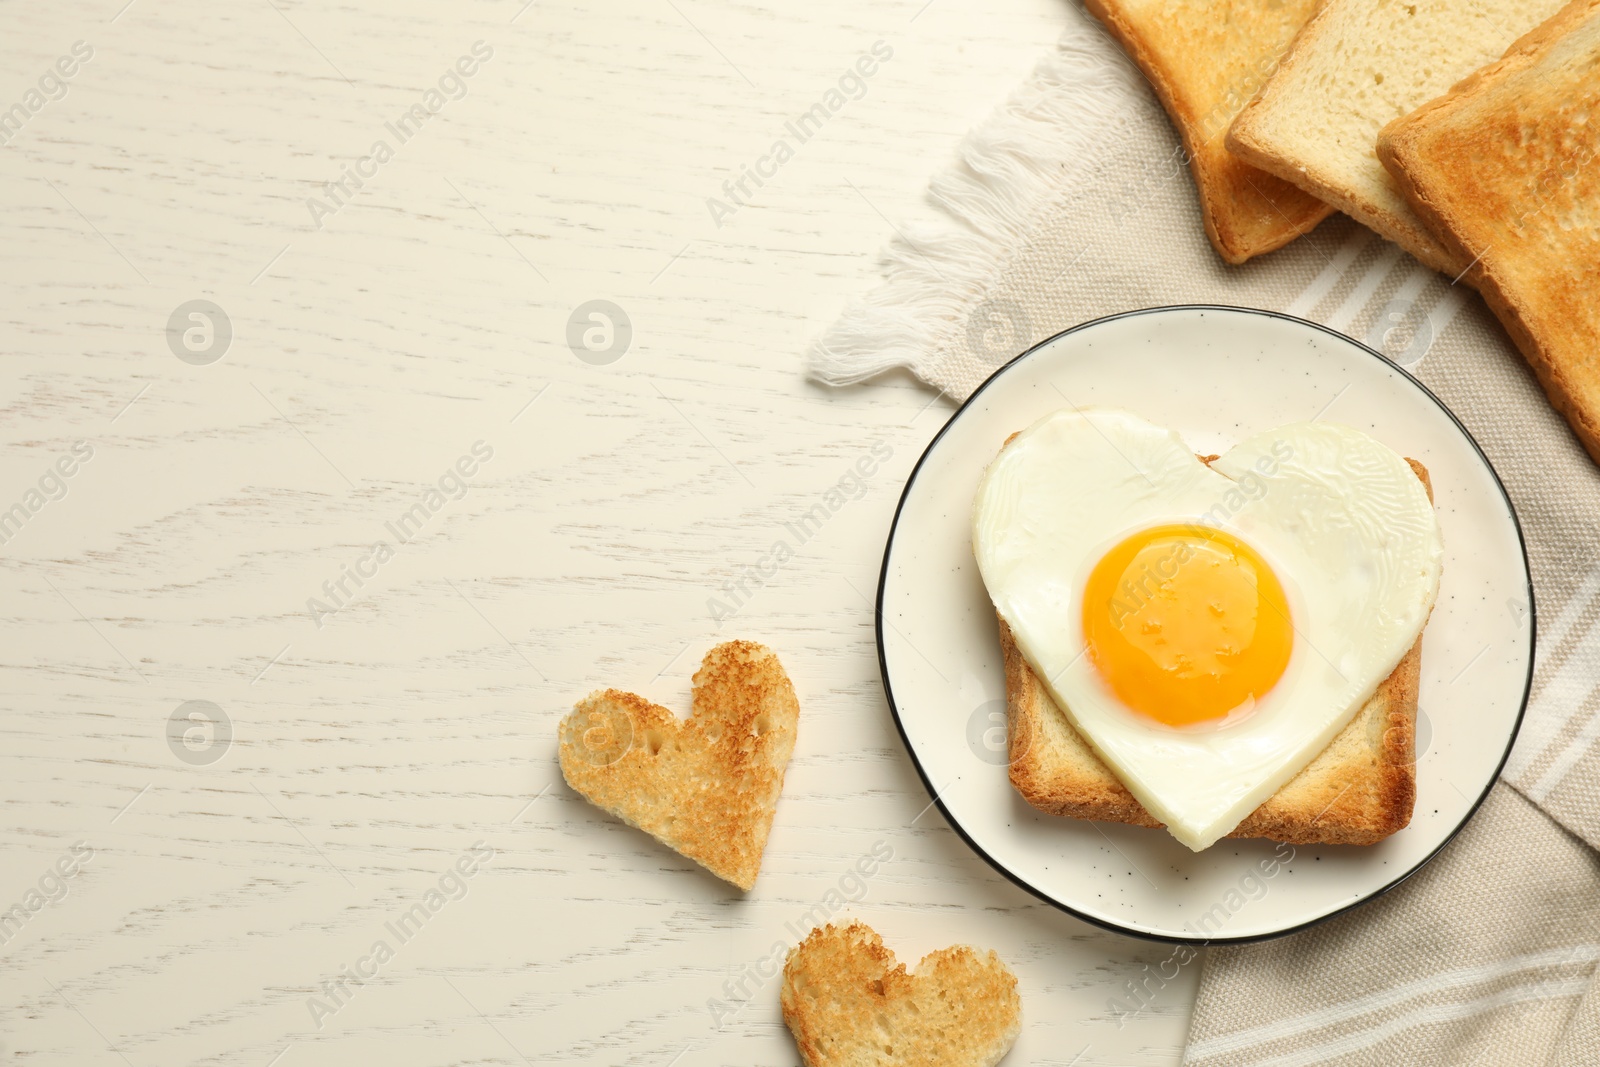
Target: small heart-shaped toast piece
pixel 706 786
pixel 848 1003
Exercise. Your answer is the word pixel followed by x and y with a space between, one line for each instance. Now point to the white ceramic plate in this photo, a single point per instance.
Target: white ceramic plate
pixel 1216 375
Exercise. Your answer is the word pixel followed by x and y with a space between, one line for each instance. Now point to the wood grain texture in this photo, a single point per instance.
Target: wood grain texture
pixel 371 753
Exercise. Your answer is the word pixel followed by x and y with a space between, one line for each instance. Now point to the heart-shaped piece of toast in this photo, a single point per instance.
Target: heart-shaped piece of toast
pixel 848 1003
pixel 706 786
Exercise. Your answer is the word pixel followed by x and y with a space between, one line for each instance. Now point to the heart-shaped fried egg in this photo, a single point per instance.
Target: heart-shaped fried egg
pixel 1208 628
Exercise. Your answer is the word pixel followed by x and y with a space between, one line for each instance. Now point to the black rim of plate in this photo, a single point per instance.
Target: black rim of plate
pixel 1106 924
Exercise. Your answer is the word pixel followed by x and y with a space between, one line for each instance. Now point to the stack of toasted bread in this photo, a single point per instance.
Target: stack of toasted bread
pixel 1459 129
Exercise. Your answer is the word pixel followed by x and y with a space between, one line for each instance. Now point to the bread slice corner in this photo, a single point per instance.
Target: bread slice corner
pixel 1204 60
pixel 1505 170
pixel 1357 65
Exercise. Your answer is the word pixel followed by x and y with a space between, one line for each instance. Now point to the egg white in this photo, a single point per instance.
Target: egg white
pixel 1339 517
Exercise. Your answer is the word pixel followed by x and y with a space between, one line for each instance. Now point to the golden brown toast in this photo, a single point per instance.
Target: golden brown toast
pixel 849 1004
pixel 1357 65
pixel 1505 169
pixel 1357 791
pixel 707 786
pixel 1206 60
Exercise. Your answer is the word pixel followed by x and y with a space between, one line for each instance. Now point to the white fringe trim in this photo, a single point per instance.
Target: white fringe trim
pixel 1009 171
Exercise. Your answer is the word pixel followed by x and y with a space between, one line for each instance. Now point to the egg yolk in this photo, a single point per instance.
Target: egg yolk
pixel 1186 623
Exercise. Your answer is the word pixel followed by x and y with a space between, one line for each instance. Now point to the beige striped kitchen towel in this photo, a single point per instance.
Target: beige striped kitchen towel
pixel 1072 202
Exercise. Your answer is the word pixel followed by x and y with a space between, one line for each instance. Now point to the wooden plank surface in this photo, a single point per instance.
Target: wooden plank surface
pixel 381 732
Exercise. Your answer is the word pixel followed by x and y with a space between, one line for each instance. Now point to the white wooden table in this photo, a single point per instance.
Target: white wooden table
pixel 220 884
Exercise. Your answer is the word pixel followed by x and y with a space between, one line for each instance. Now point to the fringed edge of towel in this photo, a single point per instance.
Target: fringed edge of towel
pixel 1009 170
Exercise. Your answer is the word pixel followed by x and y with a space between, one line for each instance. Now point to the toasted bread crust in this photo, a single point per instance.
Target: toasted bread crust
pixel 1257 135
pixel 707 786
pixel 1204 64
pixel 849 1003
pixel 1248 139
pixel 1249 143
pixel 1511 143
pixel 1357 791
